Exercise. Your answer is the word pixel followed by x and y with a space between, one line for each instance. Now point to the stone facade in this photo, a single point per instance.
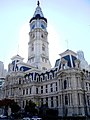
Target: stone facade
pixel 66 87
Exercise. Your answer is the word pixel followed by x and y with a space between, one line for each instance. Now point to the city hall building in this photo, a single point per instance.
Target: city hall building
pixel 65 87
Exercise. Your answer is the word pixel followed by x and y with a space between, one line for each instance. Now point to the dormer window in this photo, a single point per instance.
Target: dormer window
pixel 41 79
pixel 51 76
pixel 45 77
pixel 17 60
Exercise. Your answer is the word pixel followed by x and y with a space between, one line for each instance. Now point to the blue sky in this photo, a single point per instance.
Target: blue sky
pixel 67 20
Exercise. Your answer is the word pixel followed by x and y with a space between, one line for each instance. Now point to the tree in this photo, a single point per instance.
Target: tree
pixel 15 107
pixel 4 104
pixel 31 108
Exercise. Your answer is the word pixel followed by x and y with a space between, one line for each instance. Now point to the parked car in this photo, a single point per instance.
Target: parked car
pixel 27 118
pixel 36 118
pixel 3 116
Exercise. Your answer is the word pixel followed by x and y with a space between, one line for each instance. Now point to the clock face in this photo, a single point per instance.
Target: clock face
pixel 42 26
pixel 33 26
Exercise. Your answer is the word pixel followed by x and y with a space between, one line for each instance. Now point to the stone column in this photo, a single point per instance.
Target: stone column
pixel 33 89
pixel 44 89
pixel 54 101
pixel 49 102
pixel 49 88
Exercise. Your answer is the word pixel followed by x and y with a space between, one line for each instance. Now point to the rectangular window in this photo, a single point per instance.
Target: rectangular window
pixel 50 77
pixel 78 99
pixel 46 60
pixel 51 87
pixel 47 101
pixel 65 84
pixel 66 100
pixel 69 99
pixel 32 49
pixel 23 92
pixel 23 104
pixel 30 90
pixel 51 101
pixel 26 91
pixel 36 90
pixel 87 86
pixel 41 89
pixel 56 86
pixel 88 100
pixel 57 101
pixel 46 89
pixel 41 101
pixel 60 100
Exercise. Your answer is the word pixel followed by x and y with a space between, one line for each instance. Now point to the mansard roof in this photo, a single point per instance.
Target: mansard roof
pixel 67 57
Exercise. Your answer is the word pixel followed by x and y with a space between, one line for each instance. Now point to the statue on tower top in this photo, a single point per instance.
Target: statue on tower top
pixel 38 3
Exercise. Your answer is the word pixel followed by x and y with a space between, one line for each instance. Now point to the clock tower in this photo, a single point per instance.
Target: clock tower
pixel 38 51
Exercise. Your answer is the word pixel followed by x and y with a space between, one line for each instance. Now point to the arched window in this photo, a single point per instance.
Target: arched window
pixel 66 100
pixel 65 84
pixel 19 80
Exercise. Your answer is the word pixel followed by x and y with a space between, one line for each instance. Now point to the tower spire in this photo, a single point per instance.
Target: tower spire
pixel 38 51
pixel 38 3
